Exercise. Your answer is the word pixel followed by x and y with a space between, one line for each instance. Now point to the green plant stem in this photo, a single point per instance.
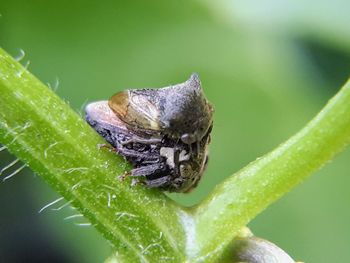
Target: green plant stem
pixel 40 129
pixel 241 197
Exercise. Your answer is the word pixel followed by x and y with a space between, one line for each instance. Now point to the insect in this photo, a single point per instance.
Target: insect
pixel 163 132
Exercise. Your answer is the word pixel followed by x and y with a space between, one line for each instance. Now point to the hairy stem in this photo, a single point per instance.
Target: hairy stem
pixel 42 130
pixel 241 197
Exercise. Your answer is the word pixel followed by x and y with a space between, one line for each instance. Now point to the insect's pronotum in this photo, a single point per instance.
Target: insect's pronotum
pixel 163 132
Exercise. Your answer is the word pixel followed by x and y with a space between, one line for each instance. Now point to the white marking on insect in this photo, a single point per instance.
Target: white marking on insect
pixel 50 204
pixel 168 153
pixel 14 172
pixel 184 156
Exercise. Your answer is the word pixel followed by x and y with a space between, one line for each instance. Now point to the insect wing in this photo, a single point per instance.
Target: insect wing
pixel 99 113
pixel 136 108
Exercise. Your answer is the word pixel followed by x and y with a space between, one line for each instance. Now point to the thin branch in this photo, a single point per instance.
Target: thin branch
pixel 241 197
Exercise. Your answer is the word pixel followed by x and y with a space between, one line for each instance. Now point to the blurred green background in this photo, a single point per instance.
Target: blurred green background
pixel 267 66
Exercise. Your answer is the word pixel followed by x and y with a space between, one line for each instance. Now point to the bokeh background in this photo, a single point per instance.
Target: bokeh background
pixel 267 66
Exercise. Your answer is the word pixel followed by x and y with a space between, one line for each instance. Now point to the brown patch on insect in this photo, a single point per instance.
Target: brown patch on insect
pixel 163 132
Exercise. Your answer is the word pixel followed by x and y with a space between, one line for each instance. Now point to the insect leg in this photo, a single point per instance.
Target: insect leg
pixel 105 145
pixel 198 145
pixel 136 139
pixel 153 160
pixel 162 181
pixel 135 154
pixel 148 170
pixel 127 152
pixel 176 160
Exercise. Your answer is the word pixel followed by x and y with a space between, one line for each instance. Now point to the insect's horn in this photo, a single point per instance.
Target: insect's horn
pixel 194 81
